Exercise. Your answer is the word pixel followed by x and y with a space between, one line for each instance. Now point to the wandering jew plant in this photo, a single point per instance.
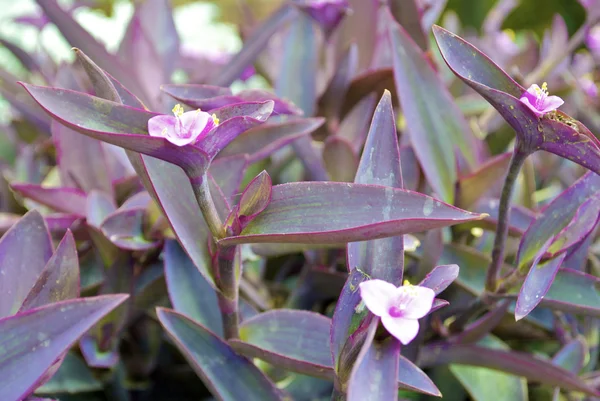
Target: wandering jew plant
pixel 245 227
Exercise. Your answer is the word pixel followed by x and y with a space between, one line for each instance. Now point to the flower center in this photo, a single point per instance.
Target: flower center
pixel 402 300
pixel 396 311
pixel 541 95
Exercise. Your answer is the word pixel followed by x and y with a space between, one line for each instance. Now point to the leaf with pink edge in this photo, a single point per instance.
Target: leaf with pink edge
pixel 296 211
pixel 228 375
pixel 32 341
pixel 65 200
pixel 26 248
pixel 294 339
pixel 59 280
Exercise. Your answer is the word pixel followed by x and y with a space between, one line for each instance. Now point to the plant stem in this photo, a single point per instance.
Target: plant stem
pixel 517 160
pixel 228 282
pixel 207 206
pixel 337 395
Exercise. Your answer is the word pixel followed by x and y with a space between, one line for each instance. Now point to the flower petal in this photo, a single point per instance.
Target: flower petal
pixel 405 330
pixel 420 302
pixel 376 295
pixel 526 101
pixel 157 124
pixel 194 122
pixel 552 103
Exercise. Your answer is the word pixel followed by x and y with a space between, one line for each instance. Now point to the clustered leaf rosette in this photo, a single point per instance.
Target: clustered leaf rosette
pixel 399 308
pixel 531 112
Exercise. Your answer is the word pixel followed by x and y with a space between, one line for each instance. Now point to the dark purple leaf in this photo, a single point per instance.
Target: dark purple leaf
pixel 556 216
pixel 512 362
pixel 189 292
pixel 228 375
pixel 411 377
pixel 207 97
pixel 32 341
pixel 355 126
pixel 293 339
pixel 228 173
pixel 25 250
pixel 59 280
pixel 376 81
pixel 481 327
pixel 99 205
pixel 262 141
pixel 65 200
pixel 422 95
pixel 327 14
pixel 332 99
pixel 254 45
pixel 329 212
pixel 374 375
pixel 577 256
pixel 408 15
pixel 340 159
pixel 360 27
pixel 440 278
pixel 474 186
pixel 78 37
pixel 125 229
pixel 380 164
pixel 536 285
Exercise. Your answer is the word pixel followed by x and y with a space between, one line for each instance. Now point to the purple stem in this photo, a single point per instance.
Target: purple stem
pixel 517 160
pixel 207 206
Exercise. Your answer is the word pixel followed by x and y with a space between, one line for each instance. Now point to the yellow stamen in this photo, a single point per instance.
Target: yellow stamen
pixel 215 119
pixel 178 110
pixel 164 132
pixel 407 283
pixel 510 33
pixel 545 87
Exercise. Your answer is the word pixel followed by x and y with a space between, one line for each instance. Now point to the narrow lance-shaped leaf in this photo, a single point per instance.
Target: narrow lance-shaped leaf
pixel 229 376
pixel 511 362
pixel 423 95
pixel 297 213
pixel 33 340
pixel 380 164
pixel 61 199
pixel 59 280
pixel 25 250
pixel 167 184
pixel 295 340
pixel 556 216
pixel 554 132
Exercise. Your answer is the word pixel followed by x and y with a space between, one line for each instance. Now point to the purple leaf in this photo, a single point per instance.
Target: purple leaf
pixel 297 210
pixel 331 101
pixel 65 200
pixel 355 126
pixel 474 186
pixel 556 216
pixel 340 159
pixel 376 81
pixel 342 323
pixel 481 327
pixel 125 229
pixel 59 280
pixel 81 160
pixel 422 95
pixel 512 362
pixel 254 45
pixel 374 375
pixel 169 187
pixel 228 173
pixel 408 15
pixel 99 205
pixel 208 98
pixel 25 250
pixel 263 140
pixel 78 37
pixel 360 27
pixel 584 221
pixel 189 292
pixel 577 256
pixel 293 339
pixel 380 164
pixel 572 356
pixel 411 377
pixel 556 132
pixel 520 217
pixel 228 375
pixel 328 14
pixel 38 337
pixel 255 198
pixel 536 285
pixel 440 278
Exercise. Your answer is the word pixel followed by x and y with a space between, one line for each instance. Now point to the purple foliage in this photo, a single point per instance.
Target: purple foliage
pixel 180 240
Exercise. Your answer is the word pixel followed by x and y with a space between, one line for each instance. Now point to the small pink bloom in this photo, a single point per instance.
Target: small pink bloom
pixel 538 101
pixel 398 307
pixel 592 40
pixel 182 128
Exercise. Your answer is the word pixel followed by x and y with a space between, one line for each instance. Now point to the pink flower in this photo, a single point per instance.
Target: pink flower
pixel 398 307
pixel 538 101
pixel 182 128
pixel 592 40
